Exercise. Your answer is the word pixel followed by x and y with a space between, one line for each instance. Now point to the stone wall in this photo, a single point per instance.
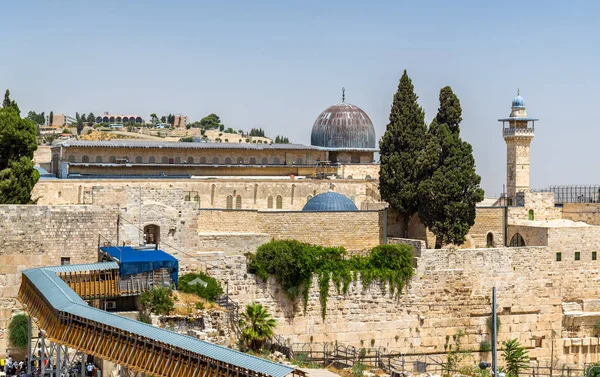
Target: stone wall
pixel 42 156
pixel 450 291
pixel 212 193
pixel 359 171
pixel 586 212
pixel 487 220
pixel 35 236
pixel 542 205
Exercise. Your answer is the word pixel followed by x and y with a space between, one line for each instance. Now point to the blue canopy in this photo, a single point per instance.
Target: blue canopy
pixel 136 261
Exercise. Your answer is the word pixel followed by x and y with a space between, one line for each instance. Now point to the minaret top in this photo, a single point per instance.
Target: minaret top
pixel 518 112
pixel 518 101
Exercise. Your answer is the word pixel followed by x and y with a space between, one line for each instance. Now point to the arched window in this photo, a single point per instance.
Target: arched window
pixel 71 158
pixel 152 234
pixel 227 160
pixel 178 160
pixel 276 161
pixel 299 161
pixel 99 159
pixel 238 202
pixel 197 199
pixel 203 160
pixel 367 176
pixel 264 161
pixel 490 239
pixel 309 198
pixel 229 204
pixel 252 161
pixel 112 159
pixel 190 160
pixel 240 160
pixel 531 214
pixel 139 159
pixel 349 177
pixel 279 202
pixel 152 160
pixel 215 160
pixel 164 160
pixel 517 241
pixel 85 158
pixel 270 202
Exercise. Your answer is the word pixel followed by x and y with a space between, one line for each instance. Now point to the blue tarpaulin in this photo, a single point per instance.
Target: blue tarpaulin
pixel 133 261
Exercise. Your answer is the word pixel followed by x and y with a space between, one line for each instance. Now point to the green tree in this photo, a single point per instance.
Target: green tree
pixel 211 291
pixel 36 118
pixel 153 118
pixel 399 147
pixel 7 102
pixel 158 301
pixel 257 326
pixel 91 119
pixel 171 119
pixel 449 188
pixel 17 331
pixel 163 119
pixel 51 118
pixel 79 123
pixel 515 356
pixel 17 144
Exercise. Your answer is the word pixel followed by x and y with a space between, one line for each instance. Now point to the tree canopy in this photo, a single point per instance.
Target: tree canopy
pixel 449 189
pixel 399 147
pixel 211 121
pixel 36 118
pixel 17 144
pixel 17 331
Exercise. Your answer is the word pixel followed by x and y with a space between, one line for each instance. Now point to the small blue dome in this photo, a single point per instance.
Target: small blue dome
pixel 518 102
pixel 329 202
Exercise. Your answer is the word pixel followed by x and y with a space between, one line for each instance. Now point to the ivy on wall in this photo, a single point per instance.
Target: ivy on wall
pixel 294 264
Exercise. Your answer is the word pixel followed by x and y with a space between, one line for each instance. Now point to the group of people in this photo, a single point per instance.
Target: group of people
pixel 10 367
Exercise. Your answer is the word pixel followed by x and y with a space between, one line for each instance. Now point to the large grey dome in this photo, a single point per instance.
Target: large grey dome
pixel 343 126
pixel 329 201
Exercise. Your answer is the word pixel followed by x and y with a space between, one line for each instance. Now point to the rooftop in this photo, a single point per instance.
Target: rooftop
pixel 329 202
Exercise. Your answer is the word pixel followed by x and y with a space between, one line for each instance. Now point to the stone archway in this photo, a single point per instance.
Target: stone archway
pixel 152 234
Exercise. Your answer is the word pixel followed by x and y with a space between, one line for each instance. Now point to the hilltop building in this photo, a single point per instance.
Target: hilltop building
pixel 59 120
pixel 342 144
pixel 107 117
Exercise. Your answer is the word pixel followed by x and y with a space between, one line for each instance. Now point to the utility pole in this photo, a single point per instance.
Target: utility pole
pixel 494 334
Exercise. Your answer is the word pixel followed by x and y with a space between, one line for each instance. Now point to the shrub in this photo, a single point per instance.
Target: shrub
pixel 210 292
pixel 294 263
pixel 515 356
pixel 157 301
pixel 17 331
pixel 257 326
pixel 358 369
pixel 485 346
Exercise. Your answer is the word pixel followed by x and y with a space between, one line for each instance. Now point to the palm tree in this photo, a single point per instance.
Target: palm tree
pixel 515 356
pixel 257 325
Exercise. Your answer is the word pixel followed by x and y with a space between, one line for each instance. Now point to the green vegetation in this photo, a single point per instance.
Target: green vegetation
pixel 403 140
pixel 455 352
pixel 36 118
pixel 17 331
pixel 515 356
pixel 485 346
pixel 490 325
pixel 294 263
pixel 210 292
pixel 187 139
pixel 17 144
pixel 429 171
pixel 257 132
pixel 358 369
pixel 281 140
pixel 157 301
pixel 449 189
pixel 257 325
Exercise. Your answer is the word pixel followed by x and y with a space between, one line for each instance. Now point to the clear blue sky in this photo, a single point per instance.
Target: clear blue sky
pixel 278 64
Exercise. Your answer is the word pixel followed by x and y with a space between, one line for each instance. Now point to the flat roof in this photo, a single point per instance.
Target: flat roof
pixel 200 145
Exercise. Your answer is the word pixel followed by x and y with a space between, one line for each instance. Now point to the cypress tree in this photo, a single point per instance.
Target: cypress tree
pixel 17 144
pixel 450 188
pixel 399 147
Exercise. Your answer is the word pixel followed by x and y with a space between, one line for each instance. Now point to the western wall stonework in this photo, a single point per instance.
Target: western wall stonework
pixel 450 291
pixel 35 236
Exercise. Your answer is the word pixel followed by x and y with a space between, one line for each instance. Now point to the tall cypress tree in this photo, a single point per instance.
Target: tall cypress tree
pixel 450 189
pixel 17 144
pixel 399 147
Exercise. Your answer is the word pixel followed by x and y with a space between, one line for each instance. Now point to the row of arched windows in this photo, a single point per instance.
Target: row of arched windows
pixel 190 160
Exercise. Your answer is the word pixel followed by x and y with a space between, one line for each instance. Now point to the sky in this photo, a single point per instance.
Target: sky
pixel 279 64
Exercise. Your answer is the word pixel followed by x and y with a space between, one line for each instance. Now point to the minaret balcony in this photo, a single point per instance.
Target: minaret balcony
pixel 518 131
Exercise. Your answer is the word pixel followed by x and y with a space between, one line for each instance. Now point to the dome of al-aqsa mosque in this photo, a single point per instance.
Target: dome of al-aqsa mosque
pixel 343 125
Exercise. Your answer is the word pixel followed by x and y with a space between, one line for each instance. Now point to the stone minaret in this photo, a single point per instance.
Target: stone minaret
pixel 518 131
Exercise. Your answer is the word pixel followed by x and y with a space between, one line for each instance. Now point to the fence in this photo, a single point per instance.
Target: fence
pixel 400 364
